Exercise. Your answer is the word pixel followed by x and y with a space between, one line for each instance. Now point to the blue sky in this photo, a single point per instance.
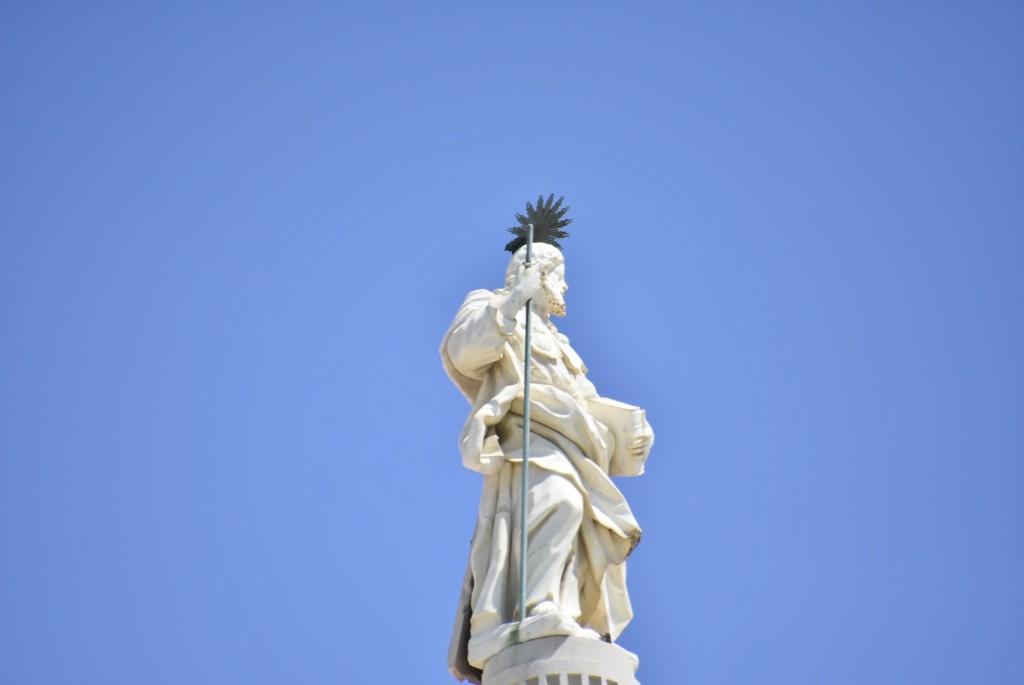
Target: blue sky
pixel 232 235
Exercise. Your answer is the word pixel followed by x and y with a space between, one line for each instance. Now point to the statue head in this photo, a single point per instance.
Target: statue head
pixel 551 263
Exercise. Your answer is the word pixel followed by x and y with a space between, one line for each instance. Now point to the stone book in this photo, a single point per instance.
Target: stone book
pixel 626 423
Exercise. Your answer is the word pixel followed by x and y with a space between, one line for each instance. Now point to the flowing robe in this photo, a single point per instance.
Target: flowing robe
pixel 581 528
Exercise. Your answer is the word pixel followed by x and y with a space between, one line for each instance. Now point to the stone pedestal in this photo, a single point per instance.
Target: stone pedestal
pixel 562 660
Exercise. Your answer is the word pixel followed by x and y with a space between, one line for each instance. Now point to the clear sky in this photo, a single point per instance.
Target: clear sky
pixel 232 235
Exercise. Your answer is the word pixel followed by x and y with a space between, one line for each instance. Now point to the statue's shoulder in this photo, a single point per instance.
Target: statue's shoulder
pixel 475 301
pixel 478 298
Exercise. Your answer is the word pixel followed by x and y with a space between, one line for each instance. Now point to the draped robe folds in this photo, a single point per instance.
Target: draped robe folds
pixel 483 353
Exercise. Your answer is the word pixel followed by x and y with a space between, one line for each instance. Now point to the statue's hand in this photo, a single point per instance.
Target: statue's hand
pixel 640 446
pixel 527 285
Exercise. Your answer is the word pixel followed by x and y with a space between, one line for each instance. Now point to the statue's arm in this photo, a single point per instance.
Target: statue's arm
pixel 477 337
pixel 485 321
pixel 586 388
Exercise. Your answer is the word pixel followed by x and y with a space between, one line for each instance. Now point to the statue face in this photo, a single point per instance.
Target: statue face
pixel 554 290
pixel 549 259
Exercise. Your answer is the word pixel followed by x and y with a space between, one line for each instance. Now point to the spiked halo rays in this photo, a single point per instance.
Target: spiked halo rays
pixel 547 219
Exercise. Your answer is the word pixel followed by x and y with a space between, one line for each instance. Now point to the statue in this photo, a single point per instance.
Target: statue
pixel 580 528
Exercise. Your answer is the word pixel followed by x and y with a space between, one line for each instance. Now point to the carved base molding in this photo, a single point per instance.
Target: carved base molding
pixel 562 660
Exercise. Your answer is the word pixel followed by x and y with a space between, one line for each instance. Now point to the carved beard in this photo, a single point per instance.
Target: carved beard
pixel 555 307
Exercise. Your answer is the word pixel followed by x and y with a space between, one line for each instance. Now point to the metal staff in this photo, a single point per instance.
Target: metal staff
pixel 526 438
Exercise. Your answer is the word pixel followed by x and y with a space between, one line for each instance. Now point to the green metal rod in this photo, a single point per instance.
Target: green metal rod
pixel 523 536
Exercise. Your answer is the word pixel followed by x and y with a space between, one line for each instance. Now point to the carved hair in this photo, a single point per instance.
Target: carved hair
pixel 545 256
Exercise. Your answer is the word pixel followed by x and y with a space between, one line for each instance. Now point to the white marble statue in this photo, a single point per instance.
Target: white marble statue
pixel 580 527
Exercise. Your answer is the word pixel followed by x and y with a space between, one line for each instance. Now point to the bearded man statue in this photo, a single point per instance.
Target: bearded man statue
pixel 580 528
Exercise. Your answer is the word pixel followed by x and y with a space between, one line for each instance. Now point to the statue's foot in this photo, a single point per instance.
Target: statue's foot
pixel 558 620
pixel 545 620
pixel 545 607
